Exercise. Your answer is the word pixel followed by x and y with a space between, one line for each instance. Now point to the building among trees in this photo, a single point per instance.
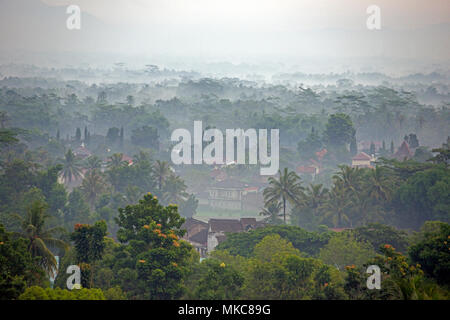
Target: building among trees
pixel 363 160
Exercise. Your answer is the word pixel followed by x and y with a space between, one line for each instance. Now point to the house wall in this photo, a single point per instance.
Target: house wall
pixel 225 198
pixel 360 162
pixel 212 241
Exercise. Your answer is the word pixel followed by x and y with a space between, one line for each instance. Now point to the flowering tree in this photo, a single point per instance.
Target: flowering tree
pixel 152 248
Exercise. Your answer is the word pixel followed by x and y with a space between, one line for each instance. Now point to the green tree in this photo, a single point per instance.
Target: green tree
pixel 336 209
pixel 378 235
pixel 113 136
pixel 145 136
pixel 217 281
pixel 243 243
pixel 308 147
pixel 286 188
pixel 425 195
pixel 17 267
pixel 38 293
pixel 308 212
pixel 189 206
pixel 116 161
pixel 76 210
pixel 404 281
pixel 339 129
pixel 92 186
pixel 344 249
pixel 372 148
pixel 160 260
pixel 433 254
pixel 277 271
pixel 353 147
pixel 161 170
pixel 92 163
pixel 71 169
pixel 78 135
pixel 174 190
pixel 39 238
pixel 271 213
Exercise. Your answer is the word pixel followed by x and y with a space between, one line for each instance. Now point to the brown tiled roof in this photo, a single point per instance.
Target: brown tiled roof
pixel 225 225
pixel 200 237
pixel 362 156
pixel 306 169
pixel 320 154
pixel 191 222
pixel 82 152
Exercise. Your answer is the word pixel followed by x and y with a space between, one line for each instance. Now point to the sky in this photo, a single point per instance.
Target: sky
pixel 238 31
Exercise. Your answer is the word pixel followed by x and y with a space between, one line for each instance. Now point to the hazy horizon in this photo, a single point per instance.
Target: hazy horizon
pixel 309 36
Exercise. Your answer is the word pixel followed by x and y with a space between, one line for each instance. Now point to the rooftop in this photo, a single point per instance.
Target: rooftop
pixel 362 156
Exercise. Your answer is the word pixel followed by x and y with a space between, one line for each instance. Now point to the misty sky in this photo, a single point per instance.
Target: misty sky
pixel 232 30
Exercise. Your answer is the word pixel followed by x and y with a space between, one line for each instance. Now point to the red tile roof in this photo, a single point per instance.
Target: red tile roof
pixel 225 225
pixel 362 156
pixel 306 169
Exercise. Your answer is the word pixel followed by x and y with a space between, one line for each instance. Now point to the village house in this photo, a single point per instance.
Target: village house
pixel 219 227
pixel 204 237
pixel 197 235
pixel 313 171
pixel 226 194
pixel 363 160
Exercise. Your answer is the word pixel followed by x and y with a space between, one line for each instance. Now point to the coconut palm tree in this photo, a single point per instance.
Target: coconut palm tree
pixel 93 184
pixel 161 170
pixel 40 239
pixel 315 197
pixel 71 167
pixel 174 190
pixel 142 156
pixel 272 213
pixel 336 208
pixel 350 177
pixel 378 185
pixel 93 163
pixel 115 161
pixel 286 189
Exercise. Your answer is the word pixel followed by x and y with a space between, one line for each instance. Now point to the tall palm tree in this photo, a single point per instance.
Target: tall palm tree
pixel 33 229
pixel 93 184
pixel 350 177
pixel 378 185
pixel 337 206
pixel 142 156
pixel 71 167
pixel 115 161
pixel 315 196
pixel 93 163
pixel 272 213
pixel 174 190
pixel 161 170
pixel 286 188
